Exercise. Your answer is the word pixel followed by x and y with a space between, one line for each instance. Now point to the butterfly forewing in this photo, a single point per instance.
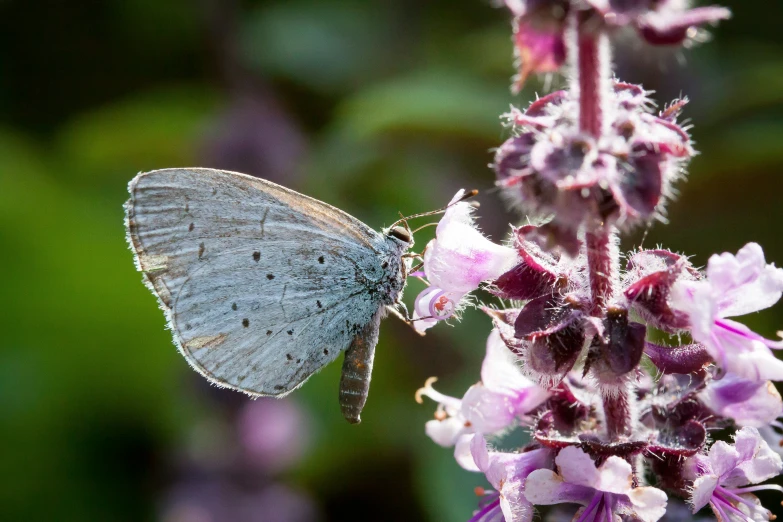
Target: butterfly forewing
pixel 262 286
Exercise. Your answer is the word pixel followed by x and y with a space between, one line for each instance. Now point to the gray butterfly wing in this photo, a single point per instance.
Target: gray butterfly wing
pixel 262 286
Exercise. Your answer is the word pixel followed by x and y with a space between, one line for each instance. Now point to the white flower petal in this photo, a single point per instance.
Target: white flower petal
pixel 615 476
pixel 545 487
pixel 445 432
pixel 703 487
pixel 649 503
pixel 576 467
pixel 463 454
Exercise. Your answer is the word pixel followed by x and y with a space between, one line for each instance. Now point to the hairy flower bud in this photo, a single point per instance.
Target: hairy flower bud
pixel 551 168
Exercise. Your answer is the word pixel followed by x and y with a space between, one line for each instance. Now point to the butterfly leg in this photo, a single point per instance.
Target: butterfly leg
pixel 405 318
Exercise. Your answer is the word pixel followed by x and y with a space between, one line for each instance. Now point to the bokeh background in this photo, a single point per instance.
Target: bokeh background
pixel 376 106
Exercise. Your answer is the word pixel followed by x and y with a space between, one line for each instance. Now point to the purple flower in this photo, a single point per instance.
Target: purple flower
pixel 552 168
pixel 658 22
pixel 649 279
pixel 747 402
pixel 539 39
pixel 507 473
pixel 721 477
pixel 273 433
pixel 605 491
pixel 496 403
pixel 455 263
pixel 735 285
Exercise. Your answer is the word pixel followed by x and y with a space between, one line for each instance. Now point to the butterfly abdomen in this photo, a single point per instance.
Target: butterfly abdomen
pixel 357 370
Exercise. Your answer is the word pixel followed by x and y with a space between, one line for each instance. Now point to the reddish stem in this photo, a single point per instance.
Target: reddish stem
pixel 601 264
pixel 592 72
pixel 618 414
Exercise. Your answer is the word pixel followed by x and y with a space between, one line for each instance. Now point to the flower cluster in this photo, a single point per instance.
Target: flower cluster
pixel 552 167
pixel 540 26
pixel 616 425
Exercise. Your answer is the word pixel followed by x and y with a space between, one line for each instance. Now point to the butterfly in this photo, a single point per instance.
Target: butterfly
pixel 263 286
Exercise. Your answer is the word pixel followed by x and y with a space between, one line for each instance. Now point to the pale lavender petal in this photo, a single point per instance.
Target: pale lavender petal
pixel 463 454
pixel 615 476
pixel 703 487
pixel 488 411
pixel 723 458
pixel 773 439
pixel 433 305
pixel 445 432
pixel 500 373
pixel 480 453
pixel 649 503
pixel 545 487
pixel 576 467
pixel 739 350
pixel 745 283
pixel 460 257
pixel 759 462
pixel 749 403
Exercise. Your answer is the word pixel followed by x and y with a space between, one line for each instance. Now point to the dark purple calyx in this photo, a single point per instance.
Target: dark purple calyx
pixel 547 435
pixel 534 276
pixel 672 27
pixel 553 235
pixel 503 321
pixel 540 106
pixel 684 440
pixel 652 274
pixel 600 449
pixel 640 188
pixel 620 349
pixel 512 159
pixel 688 358
pixel 555 332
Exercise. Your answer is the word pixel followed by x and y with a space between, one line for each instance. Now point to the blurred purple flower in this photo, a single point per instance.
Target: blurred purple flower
pixel 273 433
pixel 255 136
pixel 214 500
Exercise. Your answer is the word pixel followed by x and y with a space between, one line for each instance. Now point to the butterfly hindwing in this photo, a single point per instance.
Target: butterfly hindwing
pixel 261 286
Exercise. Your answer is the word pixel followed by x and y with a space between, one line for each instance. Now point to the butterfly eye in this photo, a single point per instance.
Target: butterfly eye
pixel 400 233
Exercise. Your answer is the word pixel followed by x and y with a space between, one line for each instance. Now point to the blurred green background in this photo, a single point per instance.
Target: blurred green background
pixel 375 106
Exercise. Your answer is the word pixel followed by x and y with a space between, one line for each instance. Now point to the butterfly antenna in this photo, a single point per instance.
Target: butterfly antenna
pixel 424 226
pixel 469 194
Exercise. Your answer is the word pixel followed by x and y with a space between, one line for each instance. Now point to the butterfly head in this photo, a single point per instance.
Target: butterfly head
pixel 402 234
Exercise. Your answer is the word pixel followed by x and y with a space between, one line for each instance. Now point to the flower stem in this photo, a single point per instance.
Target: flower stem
pixel 618 413
pixel 603 261
pixel 593 70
